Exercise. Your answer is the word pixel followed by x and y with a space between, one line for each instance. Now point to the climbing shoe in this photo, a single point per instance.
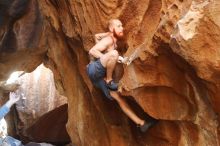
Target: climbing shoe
pixel 112 85
pixel 146 126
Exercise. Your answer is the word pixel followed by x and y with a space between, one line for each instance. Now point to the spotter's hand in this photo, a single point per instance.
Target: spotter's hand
pixel 13 97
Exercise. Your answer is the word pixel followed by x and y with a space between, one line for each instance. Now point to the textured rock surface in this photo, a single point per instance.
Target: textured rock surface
pixel 39 96
pixel 49 128
pixel 174 78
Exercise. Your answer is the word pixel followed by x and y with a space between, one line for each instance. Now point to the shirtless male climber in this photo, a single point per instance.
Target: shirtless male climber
pixel 101 69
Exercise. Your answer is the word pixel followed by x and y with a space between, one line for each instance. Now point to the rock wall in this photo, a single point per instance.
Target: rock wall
pixel 38 97
pixel 49 128
pixel 174 77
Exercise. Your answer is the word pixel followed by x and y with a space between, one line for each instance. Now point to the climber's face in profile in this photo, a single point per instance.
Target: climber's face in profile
pixel 115 26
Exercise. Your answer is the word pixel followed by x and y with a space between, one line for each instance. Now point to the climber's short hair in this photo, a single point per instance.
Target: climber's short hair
pixel 111 23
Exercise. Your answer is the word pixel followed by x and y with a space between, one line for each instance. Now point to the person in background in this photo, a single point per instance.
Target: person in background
pixel 6 140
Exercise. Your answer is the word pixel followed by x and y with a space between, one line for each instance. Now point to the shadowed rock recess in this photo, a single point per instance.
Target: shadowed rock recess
pixel 175 77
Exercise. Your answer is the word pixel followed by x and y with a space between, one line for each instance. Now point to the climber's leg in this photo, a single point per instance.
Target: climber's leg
pixel 126 108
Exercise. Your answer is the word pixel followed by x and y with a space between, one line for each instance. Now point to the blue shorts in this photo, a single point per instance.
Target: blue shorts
pixel 96 73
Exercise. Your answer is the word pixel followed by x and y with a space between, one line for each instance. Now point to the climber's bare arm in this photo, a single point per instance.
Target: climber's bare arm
pixel 100 36
pixel 103 45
